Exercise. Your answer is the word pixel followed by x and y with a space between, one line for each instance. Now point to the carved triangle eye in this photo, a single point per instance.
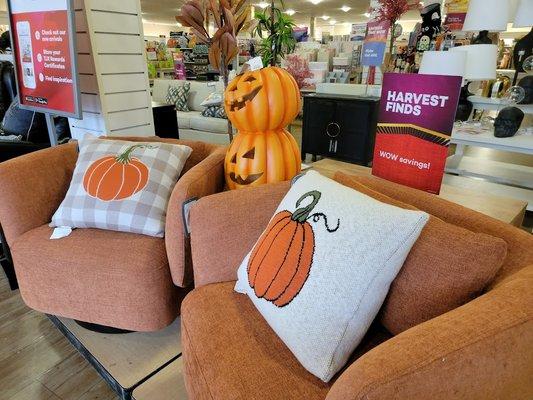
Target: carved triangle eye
pixel 250 154
pixel 234 158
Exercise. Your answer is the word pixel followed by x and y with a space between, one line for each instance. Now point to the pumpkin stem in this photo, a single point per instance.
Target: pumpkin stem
pixel 301 214
pixel 125 157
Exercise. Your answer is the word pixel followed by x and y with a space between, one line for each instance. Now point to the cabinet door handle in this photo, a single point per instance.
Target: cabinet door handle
pixel 333 130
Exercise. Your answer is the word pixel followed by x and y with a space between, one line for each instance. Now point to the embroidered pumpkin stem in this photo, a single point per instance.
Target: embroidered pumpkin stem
pixel 302 214
pixel 125 157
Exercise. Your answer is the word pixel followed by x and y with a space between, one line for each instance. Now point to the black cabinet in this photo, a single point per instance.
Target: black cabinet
pixel 340 127
pixel 165 120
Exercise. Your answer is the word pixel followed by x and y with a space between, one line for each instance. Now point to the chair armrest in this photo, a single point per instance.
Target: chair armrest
pixel 205 178
pixel 33 186
pixel 483 350
pixel 224 227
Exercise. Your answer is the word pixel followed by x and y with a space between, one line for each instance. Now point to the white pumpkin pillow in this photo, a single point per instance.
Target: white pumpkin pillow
pixel 322 268
pixel 122 186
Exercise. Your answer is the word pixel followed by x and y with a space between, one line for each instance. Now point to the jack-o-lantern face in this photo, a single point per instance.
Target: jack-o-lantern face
pixel 264 100
pixel 256 158
pixel 251 178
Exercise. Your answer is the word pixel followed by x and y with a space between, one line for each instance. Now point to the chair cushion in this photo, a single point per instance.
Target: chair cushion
pixel 229 350
pixel 321 270
pixel 109 278
pixel 184 118
pixel 447 267
pixel 209 124
pixel 179 96
pixel 122 186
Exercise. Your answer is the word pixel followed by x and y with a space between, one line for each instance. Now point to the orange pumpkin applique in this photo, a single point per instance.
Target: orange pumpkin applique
pixel 281 261
pixel 116 177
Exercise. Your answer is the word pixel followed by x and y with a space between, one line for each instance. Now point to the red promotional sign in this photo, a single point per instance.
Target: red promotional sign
pixel 43 46
pixel 416 119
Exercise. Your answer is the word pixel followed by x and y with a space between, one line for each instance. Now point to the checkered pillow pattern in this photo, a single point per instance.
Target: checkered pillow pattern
pixel 122 186
pixel 179 96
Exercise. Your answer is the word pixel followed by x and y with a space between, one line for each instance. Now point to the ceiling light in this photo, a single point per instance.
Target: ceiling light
pixel 325 17
pixel 263 5
pixel 180 25
pixel 346 8
pixel 332 22
pixel 290 11
pixel 367 14
pixel 315 2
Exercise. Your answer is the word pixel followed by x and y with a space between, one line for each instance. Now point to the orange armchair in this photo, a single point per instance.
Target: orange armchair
pixel 116 279
pixel 481 350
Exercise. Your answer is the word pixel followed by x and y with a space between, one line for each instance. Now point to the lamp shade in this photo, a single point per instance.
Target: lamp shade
pixel 487 15
pixel 481 61
pixel 524 14
pixel 451 63
pixel 513 6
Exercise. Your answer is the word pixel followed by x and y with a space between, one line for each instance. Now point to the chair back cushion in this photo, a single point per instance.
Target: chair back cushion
pixel 447 267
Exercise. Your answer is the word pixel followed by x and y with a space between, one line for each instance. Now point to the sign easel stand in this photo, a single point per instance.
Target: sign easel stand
pixel 52 133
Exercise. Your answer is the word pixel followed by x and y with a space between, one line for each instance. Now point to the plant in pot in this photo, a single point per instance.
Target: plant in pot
pixel 230 17
pixel 275 29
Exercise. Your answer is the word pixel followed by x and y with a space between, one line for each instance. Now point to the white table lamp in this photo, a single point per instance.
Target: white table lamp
pixel 487 15
pixel 524 14
pixel 450 63
pixel 481 61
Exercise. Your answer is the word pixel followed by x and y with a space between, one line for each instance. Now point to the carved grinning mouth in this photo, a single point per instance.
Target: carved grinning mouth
pixel 240 181
pixel 237 105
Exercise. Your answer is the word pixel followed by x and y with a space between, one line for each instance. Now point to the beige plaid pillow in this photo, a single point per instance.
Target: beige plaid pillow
pixel 122 186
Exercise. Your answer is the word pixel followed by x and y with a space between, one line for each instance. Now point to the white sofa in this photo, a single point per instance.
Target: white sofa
pixel 192 125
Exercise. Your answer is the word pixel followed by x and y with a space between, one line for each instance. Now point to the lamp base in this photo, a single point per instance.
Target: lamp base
pixel 464 108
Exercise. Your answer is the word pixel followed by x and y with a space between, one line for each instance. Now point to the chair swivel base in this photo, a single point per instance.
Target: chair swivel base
pixel 101 328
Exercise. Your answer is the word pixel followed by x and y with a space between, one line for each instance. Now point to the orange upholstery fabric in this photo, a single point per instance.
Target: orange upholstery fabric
pixel 481 350
pixel 33 186
pixel 205 178
pixel 226 226
pixel 447 267
pixel 520 243
pixel 230 352
pixel 109 278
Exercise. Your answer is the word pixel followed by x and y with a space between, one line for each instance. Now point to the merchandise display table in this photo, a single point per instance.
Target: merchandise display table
pixel 464 191
pixel 518 177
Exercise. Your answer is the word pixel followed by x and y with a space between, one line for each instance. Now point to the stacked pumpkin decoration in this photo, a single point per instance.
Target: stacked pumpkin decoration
pixel 260 104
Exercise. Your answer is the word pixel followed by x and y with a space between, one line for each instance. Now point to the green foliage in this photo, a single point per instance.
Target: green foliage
pixel 275 29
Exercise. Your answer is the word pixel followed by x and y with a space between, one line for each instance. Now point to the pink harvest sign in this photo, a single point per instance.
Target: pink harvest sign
pixel 416 119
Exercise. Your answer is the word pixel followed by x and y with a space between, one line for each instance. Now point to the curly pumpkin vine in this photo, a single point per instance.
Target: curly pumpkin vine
pixel 281 261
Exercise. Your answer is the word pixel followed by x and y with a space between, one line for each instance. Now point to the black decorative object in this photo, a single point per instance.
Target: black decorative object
pixel 431 26
pixel 464 108
pixel 482 38
pixel 508 122
pixel 522 50
pixel 527 84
